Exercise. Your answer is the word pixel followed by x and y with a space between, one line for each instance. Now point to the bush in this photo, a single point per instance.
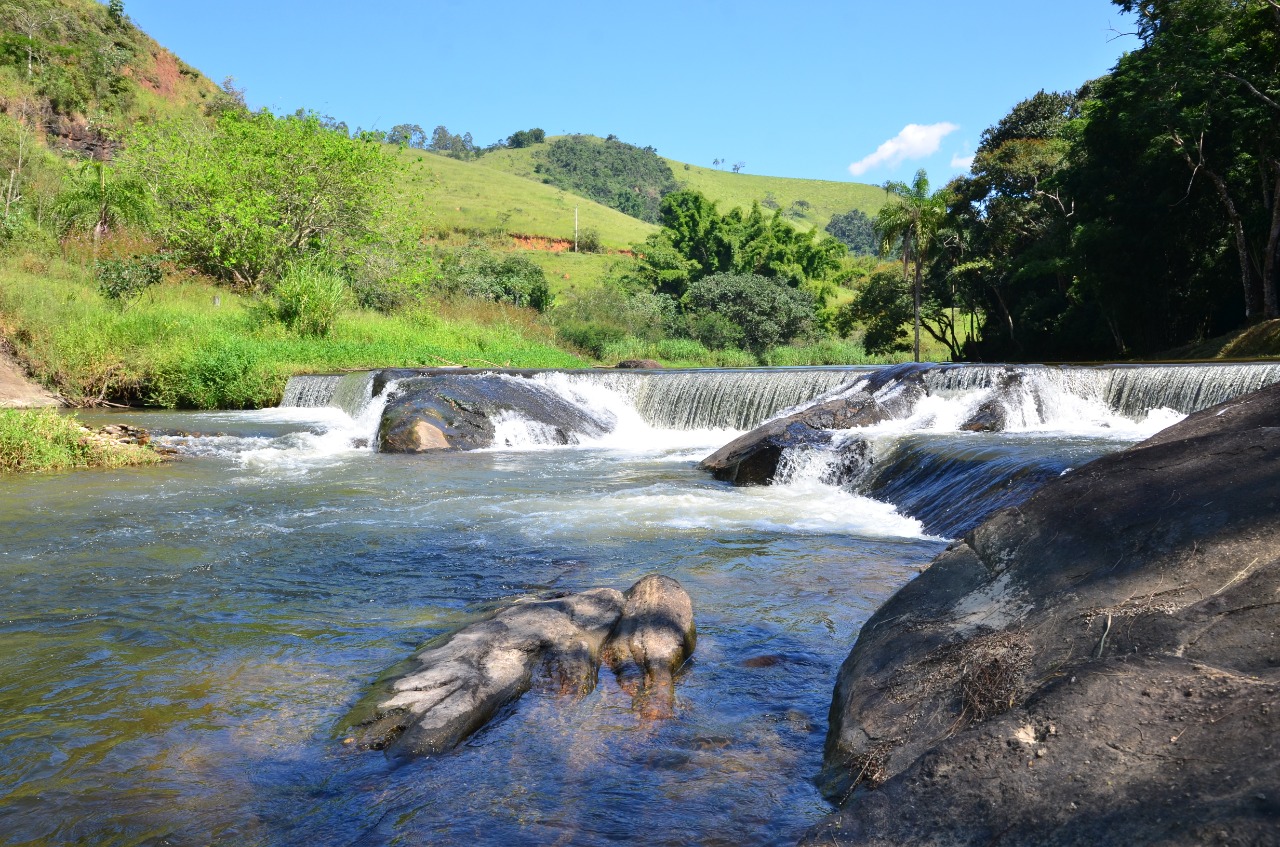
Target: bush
pixel 124 279
pixel 589 241
pixel 715 331
pixel 765 311
pixel 592 338
pixel 307 300
pixel 476 271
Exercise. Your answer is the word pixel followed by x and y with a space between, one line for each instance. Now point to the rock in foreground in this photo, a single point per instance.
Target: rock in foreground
pixel 1098 665
pixel 454 687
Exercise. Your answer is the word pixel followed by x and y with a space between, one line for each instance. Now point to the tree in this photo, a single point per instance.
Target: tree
pixel 244 198
pixel 101 204
pixel 855 230
pixel 115 11
pixel 407 135
pixel 766 312
pixel 911 219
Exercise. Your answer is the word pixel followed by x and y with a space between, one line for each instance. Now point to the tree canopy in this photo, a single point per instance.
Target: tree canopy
pixel 242 198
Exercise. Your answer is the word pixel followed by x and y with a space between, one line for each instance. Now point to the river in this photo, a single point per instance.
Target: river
pixel 179 645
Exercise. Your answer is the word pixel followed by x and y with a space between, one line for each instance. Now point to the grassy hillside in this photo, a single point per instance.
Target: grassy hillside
pixel 469 196
pixel 64 60
pixel 807 202
pixel 824 198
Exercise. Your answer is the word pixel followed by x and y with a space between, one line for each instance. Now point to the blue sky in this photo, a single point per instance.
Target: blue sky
pixel 802 89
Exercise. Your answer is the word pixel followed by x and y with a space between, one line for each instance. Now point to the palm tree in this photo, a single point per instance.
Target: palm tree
pixel 912 218
pixel 102 204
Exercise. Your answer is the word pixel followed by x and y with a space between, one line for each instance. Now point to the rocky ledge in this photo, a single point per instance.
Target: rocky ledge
pixel 456 685
pixel 438 411
pixel 1098 665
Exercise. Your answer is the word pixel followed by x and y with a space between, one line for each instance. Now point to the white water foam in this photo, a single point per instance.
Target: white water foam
pixel 799 507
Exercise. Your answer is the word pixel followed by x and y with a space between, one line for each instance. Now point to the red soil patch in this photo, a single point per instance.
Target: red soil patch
pixel 537 242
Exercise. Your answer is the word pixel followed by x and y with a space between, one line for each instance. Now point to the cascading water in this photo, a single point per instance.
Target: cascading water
pixel 195 632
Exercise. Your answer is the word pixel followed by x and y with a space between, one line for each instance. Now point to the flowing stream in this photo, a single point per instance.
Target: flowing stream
pixel 179 645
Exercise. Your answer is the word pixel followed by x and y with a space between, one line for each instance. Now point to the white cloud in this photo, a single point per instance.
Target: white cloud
pixel 914 142
pixel 962 161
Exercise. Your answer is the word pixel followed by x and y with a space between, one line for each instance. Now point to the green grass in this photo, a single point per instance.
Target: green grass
pixel 175 348
pixel 446 194
pixel 43 440
pixel 825 197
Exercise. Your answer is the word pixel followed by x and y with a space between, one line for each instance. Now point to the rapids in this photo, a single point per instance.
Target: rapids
pixel 179 643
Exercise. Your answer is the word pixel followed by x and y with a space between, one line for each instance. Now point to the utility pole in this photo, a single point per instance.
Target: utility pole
pixel 575 229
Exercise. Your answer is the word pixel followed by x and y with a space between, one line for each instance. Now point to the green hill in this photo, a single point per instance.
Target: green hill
pixel 470 197
pixel 807 202
pixel 64 60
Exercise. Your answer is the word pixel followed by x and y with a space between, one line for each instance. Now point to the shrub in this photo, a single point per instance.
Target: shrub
pixel 124 279
pixel 589 241
pixel 307 300
pixel 592 338
pixel 765 311
pixel 476 271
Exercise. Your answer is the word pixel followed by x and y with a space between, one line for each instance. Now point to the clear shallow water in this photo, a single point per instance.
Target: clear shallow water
pixel 179 645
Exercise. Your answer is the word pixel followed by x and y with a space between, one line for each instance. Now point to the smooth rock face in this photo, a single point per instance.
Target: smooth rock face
pixel 452 411
pixel 455 686
pixel 1098 665
pixel 752 459
pixel 453 689
pixel 654 636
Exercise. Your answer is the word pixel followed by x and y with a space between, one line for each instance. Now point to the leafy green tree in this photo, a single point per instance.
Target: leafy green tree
pixel 407 135
pixel 243 199
pixel 912 220
pixel 766 312
pixel 882 308
pixel 855 230
pixel 99 205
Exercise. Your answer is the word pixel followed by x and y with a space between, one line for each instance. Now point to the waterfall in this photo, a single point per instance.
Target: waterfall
pixel 310 391
pixel 685 400
pixel 1185 388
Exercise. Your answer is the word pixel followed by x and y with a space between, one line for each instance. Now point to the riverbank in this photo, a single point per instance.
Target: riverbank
pixel 44 440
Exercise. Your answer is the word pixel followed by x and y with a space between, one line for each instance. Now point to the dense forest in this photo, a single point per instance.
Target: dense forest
pixel 1135 214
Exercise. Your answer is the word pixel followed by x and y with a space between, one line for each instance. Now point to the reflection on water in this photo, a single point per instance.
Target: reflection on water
pixel 179 643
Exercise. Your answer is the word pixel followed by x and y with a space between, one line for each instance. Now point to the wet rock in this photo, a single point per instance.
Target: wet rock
pixel 993 414
pixel 1031 685
pixel 441 411
pixel 646 364
pixel 752 459
pixel 451 689
pixel 654 636
pixel 457 684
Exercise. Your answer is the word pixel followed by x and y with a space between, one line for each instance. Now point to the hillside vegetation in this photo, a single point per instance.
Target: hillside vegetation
pixel 806 203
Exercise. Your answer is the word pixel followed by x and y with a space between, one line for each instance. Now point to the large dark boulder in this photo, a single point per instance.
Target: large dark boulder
pixel 1098 665
pixel 752 458
pixel 456 411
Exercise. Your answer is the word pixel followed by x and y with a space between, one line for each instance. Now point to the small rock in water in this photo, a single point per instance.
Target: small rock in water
pixel 454 687
pixel 652 639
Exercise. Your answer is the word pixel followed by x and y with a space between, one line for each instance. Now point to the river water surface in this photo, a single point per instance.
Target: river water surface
pixel 179 645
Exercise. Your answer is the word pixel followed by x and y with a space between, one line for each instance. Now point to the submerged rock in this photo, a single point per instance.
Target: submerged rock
pixel 752 459
pixel 1098 665
pixel 443 411
pixel 654 636
pixel 455 686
